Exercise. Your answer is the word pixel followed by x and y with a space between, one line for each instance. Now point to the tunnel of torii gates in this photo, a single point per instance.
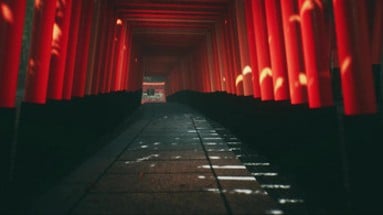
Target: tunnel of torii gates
pixel 270 49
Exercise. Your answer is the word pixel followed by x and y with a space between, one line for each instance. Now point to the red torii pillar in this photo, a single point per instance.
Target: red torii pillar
pixel 252 48
pixel 121 53
pixel 217 66
pixel 244 58
pixel 263 55
pixel 12 15
pixel 100 50
pixel 127 61
pixel 294 52
pixel 82 56
pixel 354 57
pixel 230 77
pixel 277 50
pixel 59 50
pixel 38 64
pixel 91 74
pixel 72 49
pixel 316 53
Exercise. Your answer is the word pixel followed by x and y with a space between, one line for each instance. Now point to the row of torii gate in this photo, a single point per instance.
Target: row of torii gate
pixel 271 49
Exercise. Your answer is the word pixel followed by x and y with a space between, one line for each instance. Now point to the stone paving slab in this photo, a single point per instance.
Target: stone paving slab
pixel 175 166
pixel 137 183
pixel 163 155
pixel 152 203
pixel 172 161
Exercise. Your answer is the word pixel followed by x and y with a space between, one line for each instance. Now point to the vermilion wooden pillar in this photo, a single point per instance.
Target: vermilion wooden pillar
pixel 252 48
pixel 316 53
pixel 354 57
pixel 91 74
pixel 11 27
pixel 230 79
pixel 243 45
pixel 120 53
pixel 263 55
pixel 294 52
pixel 100 41
pixel 108 50
pixel 235 52
pixel 217 69
pixel 59 50
pixel 82 56
pixel 277 50
pixel 40 51
pixel 72 49
pixel 210 63
pixel 222 56
pixel 127 61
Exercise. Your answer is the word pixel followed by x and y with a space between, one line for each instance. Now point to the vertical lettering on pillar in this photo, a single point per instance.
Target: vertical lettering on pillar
pixel 36 84
pixel 12 13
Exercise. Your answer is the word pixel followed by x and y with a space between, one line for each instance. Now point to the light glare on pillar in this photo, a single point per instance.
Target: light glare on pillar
pixel 6 13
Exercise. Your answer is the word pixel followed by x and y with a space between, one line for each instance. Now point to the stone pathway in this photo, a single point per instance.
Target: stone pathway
pixel 170 161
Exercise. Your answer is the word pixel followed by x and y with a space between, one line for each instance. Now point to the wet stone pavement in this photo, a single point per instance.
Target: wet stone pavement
pixel 170 161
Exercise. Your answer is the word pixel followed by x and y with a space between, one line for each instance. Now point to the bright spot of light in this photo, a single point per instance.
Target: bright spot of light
pixel 295 18
pixel 236 178
pixel 238 80
pixel 6 12
pixel 223 166
pixel 143 159
pixel 201 177
pixel 214 190
pixel 246 70
pixel 248 192
pixel 38 4
pixel 278 84
pixel 214 157
pixel 345 64
pixel 302 79
pixel 307 5
pixel 266 72
pixel 211 144
pixel 264 174
pixel 156 143
pixel 144 146
pixel 118 22
pixel 290 201
pixel 276 186
pixel 234 143
pixel 274 212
